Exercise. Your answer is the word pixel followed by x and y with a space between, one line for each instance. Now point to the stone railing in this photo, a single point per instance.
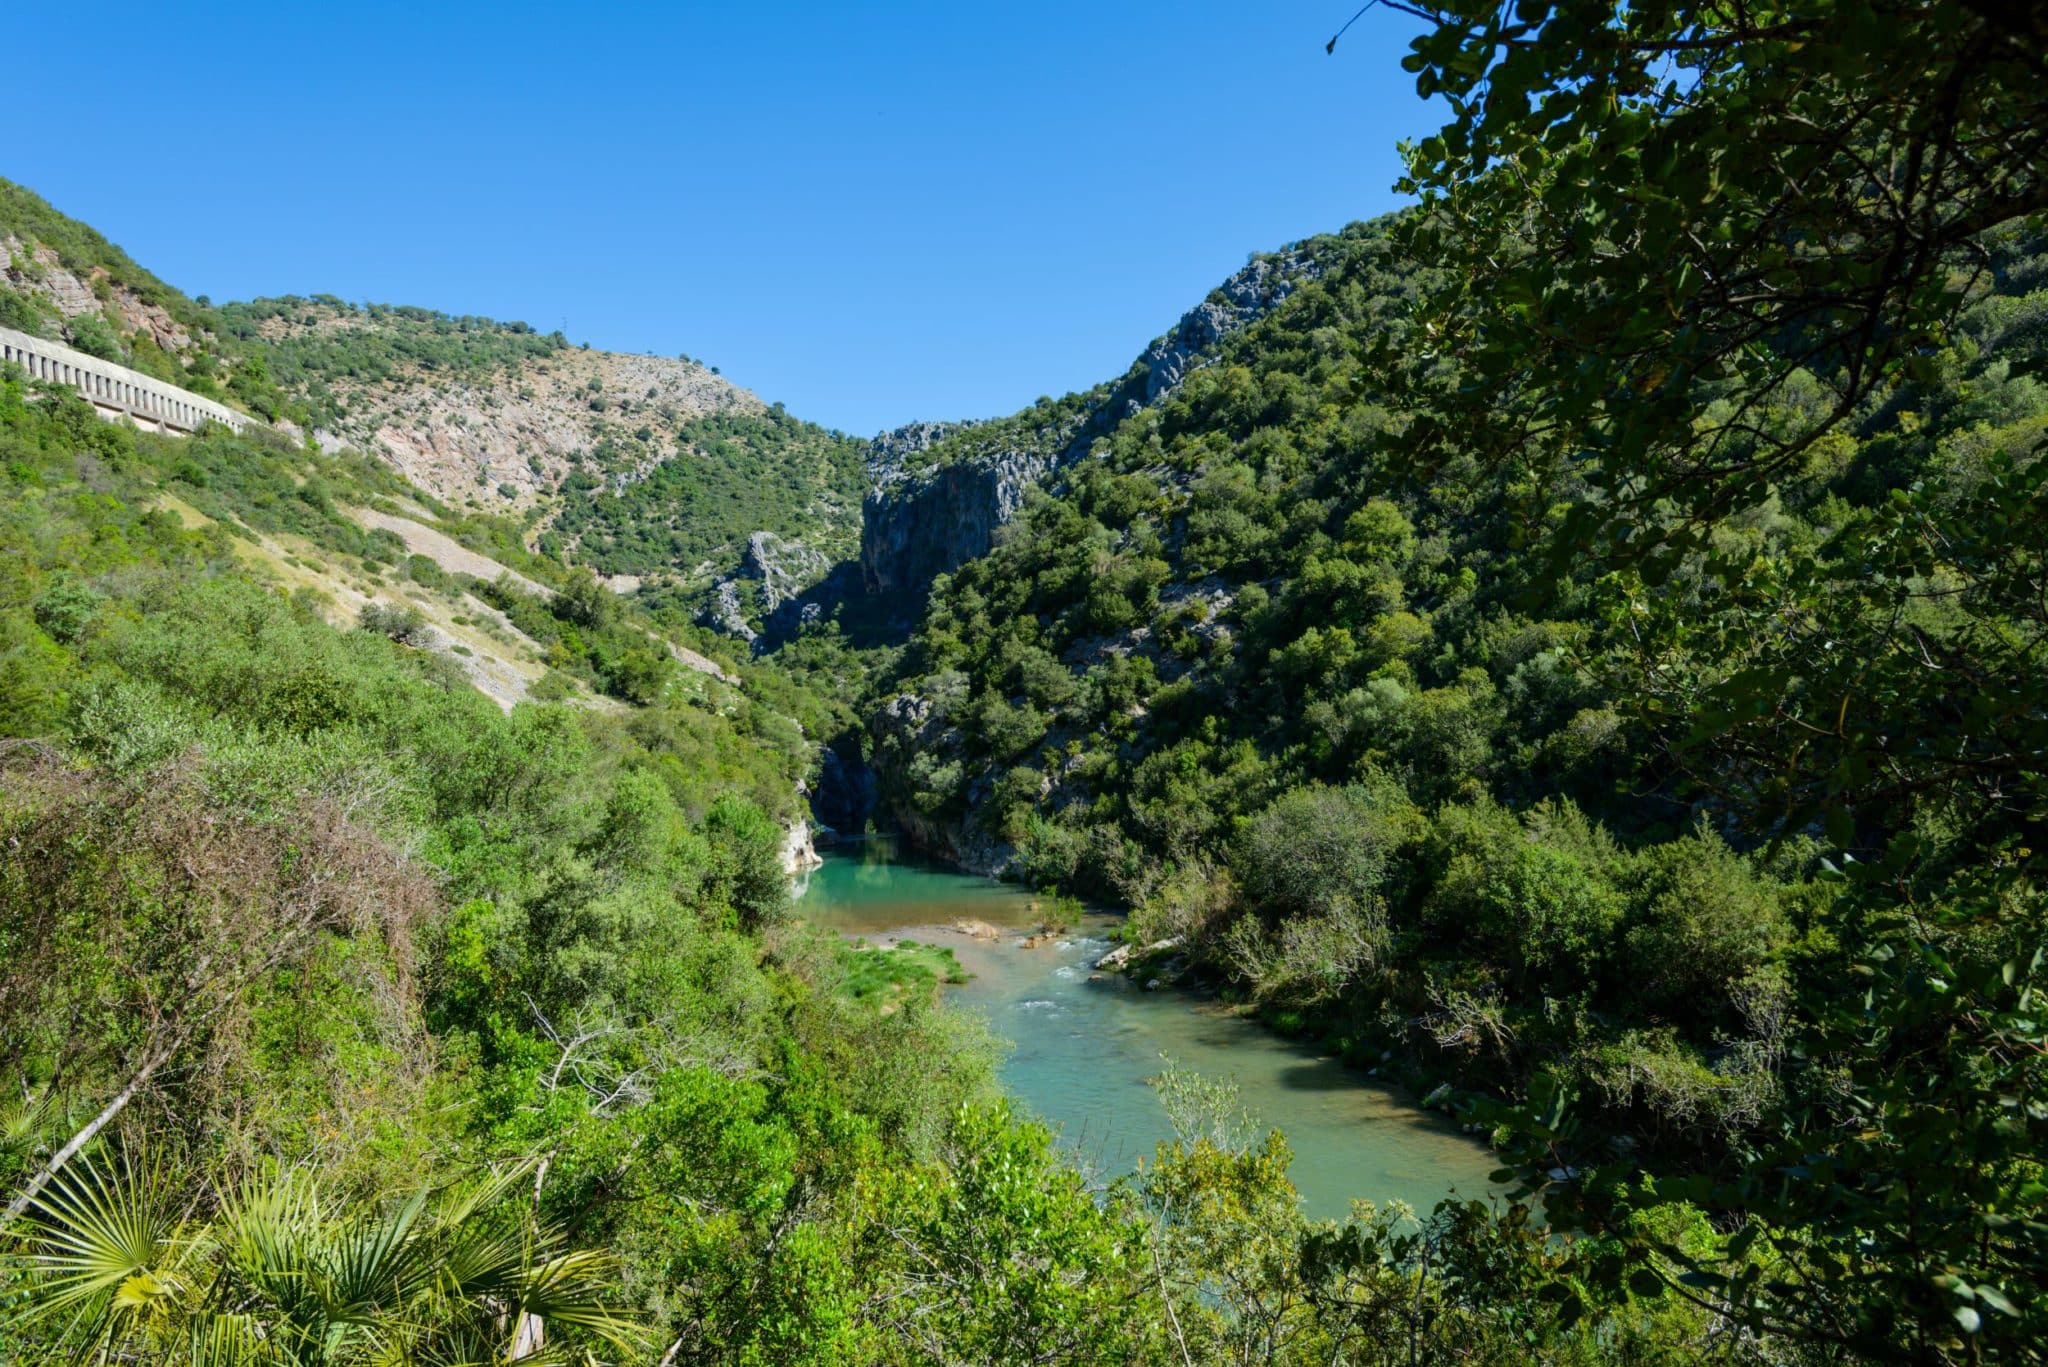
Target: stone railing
pixel 115 390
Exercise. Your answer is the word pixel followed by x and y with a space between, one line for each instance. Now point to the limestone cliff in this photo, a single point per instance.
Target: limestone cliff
pixel 939 491
pixel 36 271
pixel 481 414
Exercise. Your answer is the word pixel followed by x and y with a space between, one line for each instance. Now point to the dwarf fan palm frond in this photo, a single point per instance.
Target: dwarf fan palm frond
pixel 112 1256
pixel 281 1275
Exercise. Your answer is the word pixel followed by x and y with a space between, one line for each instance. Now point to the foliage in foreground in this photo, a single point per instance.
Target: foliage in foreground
pixel 1587 643
pixel 279 1271
pixel 307 939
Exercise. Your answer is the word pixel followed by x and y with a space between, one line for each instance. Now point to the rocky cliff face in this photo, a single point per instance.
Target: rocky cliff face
pixel 905 726
pixel 501 440
pixel 1236 304
pixel 938 495
pixel 773 570
pixel 36 272
pixel 845 795
pixel 915 528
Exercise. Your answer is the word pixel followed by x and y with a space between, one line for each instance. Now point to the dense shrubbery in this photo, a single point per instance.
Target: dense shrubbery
pixel 299 891
pixel 731 474
pixel 1518 655
pixel 400 1020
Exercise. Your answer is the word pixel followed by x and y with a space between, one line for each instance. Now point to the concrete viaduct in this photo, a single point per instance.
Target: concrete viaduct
pixel 115 390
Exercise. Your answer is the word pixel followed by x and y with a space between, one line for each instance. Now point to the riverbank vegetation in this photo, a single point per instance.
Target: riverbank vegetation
pixel 1583 647
pixel 348 1015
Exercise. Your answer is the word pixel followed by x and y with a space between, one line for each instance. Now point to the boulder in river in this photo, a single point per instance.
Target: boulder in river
pixel 1118 959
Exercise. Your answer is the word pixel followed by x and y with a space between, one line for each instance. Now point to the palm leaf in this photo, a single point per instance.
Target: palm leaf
pixel 273 1235
pixel 570 1291
pixel 376 1265
pixel 226 1341
pixel 101 1234
pixel 22 1124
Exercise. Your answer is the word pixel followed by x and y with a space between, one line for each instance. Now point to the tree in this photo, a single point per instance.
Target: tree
pixel 1687 245
pixel 1646 206
pixel 584 600
pixel 141 916
pixel 747 860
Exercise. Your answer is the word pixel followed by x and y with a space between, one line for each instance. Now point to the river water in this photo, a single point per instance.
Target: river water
pixel 1083 1049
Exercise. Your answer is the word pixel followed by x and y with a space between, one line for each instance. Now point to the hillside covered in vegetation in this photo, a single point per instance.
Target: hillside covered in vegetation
pixel 652 470
pixel 1359 736
pixel 347 1012
pixel 1574 645
pixel 64 280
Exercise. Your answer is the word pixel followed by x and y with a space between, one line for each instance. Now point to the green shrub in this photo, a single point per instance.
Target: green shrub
pixel 400 622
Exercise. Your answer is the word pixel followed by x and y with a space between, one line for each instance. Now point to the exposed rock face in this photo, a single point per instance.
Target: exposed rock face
pixel 798 854
pixel 725 612
pixel 783 568
pixel 36 270
pixel 889 450
pixel 1240 301
pixel 917 525
pixel 461 440
pixel 896 540
pixel 846 791
pixel 912 532
pixel 909 725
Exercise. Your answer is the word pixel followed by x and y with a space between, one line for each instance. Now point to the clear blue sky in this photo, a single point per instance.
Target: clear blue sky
pixel 872 212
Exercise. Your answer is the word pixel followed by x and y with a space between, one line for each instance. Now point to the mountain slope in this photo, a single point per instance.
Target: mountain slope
pixel 1349 732
pixel 938 491
pixel 62 279
pixel 646 468
pixel 464 405
pixel 651 470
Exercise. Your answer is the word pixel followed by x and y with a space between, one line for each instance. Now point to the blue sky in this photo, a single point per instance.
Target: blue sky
pixel 872 213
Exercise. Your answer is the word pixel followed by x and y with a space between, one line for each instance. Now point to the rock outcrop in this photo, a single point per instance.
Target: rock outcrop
pixel 783 568
pixel 909 725
pixel 915 530
pixel 34 269
pixel 923 519
pixel 464 439
pixel 781 571
pixel 1239 302
pixel 727 613
pixel 845 796
pixel 799 855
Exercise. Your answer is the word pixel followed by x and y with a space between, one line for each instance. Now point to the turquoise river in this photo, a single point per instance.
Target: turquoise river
pixel 1084 1044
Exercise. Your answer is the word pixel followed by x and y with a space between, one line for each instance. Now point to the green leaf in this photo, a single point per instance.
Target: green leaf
pixel 1997 1300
